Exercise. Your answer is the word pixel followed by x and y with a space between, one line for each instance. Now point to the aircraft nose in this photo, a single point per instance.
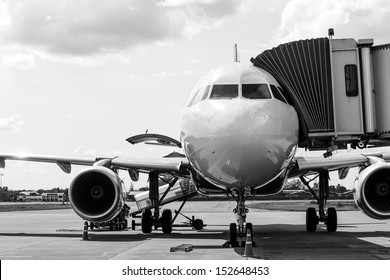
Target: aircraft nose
pixel 241 123
pixel 242 144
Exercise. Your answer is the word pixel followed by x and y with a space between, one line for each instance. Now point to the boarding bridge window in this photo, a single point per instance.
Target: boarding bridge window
pixel 351 82
pixel 255 91
pixel 277 94
pixel 224 92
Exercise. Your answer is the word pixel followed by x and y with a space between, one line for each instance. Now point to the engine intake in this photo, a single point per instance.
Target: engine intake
pixel 96 194
pixel 372 191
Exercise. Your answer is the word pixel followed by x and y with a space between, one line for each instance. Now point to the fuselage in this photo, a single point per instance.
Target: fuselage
pixel 238 131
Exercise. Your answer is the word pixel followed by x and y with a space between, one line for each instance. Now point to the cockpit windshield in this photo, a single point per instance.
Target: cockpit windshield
pixel 255 91
pixel 224 92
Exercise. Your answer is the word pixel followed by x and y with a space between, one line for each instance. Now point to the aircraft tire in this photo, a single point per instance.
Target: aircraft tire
pixel 133 224
pixel 331 220
pixel 233 234
pixel 198 224
pixel 166 221
pixel 311 220
pixel 126 224
pixel 146 221
pixel 249 227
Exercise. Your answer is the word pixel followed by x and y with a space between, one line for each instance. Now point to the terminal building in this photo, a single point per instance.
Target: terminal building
pixel 53 197
pixel 340 89
pixel 29 196
pixel 45 197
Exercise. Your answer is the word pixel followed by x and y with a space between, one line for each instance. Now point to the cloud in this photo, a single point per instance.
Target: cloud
pixel 19 61
pixel 303 19
pixel 87 27
pixel 13 124
pixel 178 74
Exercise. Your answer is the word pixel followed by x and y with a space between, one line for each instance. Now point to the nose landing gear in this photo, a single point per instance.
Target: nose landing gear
pixel 238 231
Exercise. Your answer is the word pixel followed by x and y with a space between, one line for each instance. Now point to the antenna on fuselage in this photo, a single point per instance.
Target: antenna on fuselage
pixel 235 53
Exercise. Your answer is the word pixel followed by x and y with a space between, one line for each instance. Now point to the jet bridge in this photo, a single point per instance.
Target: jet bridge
pixel 339 87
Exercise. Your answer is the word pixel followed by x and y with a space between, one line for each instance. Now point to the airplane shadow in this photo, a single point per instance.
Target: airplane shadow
pixel 274 241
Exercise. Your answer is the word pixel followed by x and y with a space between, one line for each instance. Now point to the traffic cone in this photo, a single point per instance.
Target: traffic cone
pixel 85 231
pixel 248 251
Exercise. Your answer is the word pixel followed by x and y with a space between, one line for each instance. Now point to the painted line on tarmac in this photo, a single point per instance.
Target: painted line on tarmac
pixel 380 240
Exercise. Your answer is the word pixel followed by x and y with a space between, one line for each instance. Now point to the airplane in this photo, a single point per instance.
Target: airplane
pixel 239 134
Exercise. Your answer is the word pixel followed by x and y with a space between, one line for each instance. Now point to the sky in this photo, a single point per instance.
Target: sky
pixel 79 77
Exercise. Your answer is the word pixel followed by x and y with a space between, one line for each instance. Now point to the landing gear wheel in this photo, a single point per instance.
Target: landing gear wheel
pixel 331 220
pixel 311 220
pixel 233 234
pixel 249 227
pixel 91 226
pixel 111 225
pixel 133 224
pixel 126 224
pixel 166 221
pixel 146 221
pixel 198 224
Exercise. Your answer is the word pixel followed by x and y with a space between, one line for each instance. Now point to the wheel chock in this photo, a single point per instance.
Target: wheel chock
pixel 248 251
pixel 85 231
pixel 182 247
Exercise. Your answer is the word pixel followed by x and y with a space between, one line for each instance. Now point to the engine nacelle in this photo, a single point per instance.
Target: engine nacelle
pixel 97 194
pixel 372 191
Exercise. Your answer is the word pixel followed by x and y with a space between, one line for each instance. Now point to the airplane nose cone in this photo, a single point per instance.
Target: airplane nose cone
pixel 244 146
pixel 239 123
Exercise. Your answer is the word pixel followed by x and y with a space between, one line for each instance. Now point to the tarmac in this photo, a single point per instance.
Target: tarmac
pixel 278 235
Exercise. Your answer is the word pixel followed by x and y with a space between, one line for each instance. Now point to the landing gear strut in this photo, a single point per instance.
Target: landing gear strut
pixel 237 232
pixel 330 216
pixel 151 216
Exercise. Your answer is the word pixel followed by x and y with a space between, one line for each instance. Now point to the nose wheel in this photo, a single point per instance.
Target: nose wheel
pixel 238 238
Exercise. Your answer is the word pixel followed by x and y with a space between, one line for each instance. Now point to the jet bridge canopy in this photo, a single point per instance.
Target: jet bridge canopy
pixel 303 68
pixel 331 85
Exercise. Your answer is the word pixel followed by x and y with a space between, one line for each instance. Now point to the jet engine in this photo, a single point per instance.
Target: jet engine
pixel 97 194
pixel 372 191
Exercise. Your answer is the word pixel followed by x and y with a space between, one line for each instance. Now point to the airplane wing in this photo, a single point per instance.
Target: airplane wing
pixel 303 164
pixel 177 165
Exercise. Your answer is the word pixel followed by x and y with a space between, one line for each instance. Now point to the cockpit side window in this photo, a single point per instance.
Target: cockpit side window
pixel 277 94
pixel 200 95
pixel 255 91
pixel 224 92
pixel 205 93
pixel 194 98
pixel 286 96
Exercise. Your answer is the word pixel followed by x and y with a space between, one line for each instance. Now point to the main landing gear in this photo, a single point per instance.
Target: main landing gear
pixel 329 218
pixel 151 219
pixel 238 231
